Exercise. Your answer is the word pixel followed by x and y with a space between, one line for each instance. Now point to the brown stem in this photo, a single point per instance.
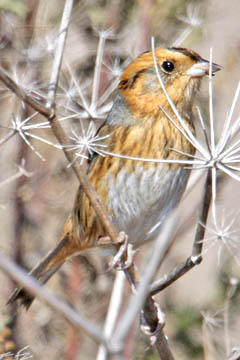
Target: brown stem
pixel 175 274
pixel 151 318
pixel 162 347
pixel 201 227
pixel 21 277
pixel 63 140
pixel 20 93
pixel 84 181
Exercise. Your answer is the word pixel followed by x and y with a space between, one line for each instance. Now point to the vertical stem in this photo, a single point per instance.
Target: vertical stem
pixel 19 226
pixel 214 195
pixel 230 292
pixel 212 137
pixel 97 71
pixel 201 227
pixel 138 299
pixel 113 311
pixel 162 347
pixel 59 52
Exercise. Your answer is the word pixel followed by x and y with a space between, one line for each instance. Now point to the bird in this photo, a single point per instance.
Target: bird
pixel 138 195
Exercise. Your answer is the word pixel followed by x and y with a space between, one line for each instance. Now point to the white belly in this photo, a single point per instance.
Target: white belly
pixel 140 203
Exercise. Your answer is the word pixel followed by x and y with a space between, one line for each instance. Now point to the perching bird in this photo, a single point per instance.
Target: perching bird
pixel 137 195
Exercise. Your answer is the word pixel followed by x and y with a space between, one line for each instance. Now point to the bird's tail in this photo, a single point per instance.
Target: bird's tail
pixel 44 270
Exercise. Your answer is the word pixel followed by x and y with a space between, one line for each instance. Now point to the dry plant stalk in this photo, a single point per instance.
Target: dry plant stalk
pixel 145 290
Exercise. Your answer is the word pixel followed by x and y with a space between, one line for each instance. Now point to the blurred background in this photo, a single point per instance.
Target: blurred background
pixel 38 187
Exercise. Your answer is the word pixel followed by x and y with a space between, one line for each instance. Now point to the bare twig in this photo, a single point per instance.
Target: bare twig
pixel 21 94
pixel 85 183
pixel 59 53
pixel 97 72
pixel 113 311
pixel 170 278
pixel 138 299
pixel 58 131
pixel 201 227
pixel 162 346
pixel 230 292
pixel 20 276
pixel 208 347
pixel 21 172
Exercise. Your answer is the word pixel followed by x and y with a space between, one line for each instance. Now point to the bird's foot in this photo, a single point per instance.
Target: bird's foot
pixel 123 259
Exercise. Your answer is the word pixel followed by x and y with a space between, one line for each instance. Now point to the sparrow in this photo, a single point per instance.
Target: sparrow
pixel 138 195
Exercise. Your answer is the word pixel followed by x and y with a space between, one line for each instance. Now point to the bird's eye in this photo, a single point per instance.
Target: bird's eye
pixel 168 66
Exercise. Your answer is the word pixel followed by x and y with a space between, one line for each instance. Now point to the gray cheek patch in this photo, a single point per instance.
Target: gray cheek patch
pixel 120 115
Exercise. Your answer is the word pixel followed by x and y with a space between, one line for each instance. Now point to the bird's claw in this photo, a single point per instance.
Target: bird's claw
pixel 121 239
pixel 124 257
pixel 118 263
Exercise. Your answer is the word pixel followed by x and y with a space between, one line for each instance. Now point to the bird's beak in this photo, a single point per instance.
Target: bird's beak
pixel 202 68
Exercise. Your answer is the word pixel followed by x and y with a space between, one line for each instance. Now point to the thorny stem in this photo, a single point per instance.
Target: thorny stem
pixel 20 93
pixel 58 131
pixel 49 112
pixel 83 179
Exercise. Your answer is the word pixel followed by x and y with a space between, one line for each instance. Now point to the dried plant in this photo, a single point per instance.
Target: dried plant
pixel 72 107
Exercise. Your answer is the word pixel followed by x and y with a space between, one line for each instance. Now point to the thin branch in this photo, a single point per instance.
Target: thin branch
pixel 59 132
pixel 230 292
pixel 226 133
pixel 167 161
pixel 182 36
pixel 63 140
pixel 201 227
pixel 113 311
pixel 59 53
pixel 137 300
pixel 211 118
pixel 20 276
pixel 22 95
pixel 162 346
pixel 190 136
pixel 174 275
pixel 7 137
pixel 97 71
pixel 21 172
pixel 83 179
pixel 203 127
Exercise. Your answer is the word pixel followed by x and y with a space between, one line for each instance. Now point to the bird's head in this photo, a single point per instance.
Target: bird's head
pixel 180 69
